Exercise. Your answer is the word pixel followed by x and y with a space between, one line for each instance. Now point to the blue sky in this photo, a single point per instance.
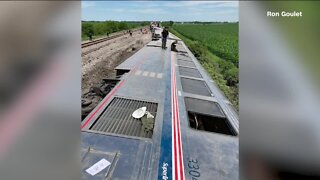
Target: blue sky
pixel 160 10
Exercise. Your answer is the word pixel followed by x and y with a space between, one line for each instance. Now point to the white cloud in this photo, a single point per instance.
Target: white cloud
pixel 150 10
pixel 206 3
pixel 142 11
pixel 233 4
pixel 163 10
pixel 119 10
pixel 146 4
pixel 86 4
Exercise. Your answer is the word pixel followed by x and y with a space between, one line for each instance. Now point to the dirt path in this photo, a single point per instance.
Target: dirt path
pixel 99 61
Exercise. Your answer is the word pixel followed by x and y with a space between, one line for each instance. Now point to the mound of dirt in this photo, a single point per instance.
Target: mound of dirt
pixel 99 61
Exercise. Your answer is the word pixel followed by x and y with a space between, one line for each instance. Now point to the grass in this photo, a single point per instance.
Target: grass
pixel 217 67
pixel 220 39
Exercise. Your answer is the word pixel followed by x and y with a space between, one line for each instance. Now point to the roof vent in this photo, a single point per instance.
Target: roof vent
pixel 117 118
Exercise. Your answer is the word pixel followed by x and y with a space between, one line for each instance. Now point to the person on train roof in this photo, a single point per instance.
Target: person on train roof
pixel 174 46
pixel 164 34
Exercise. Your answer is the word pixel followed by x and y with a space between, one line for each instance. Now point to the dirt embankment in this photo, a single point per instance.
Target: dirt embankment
pixel 99 61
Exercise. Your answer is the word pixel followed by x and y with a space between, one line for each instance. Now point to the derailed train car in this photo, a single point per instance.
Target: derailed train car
pixel 187 128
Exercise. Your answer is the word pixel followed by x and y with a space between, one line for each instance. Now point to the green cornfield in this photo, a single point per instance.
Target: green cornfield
pixel 221 38
pixel 215 45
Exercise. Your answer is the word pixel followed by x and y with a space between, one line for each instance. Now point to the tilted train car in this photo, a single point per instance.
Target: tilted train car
pixel 194 132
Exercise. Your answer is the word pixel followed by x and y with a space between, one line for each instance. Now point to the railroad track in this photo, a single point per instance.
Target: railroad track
pixel 90 43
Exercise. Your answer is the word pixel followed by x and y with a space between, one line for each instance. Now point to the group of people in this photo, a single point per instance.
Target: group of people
pixel 129 31
pixel 144 31
pixel 165 34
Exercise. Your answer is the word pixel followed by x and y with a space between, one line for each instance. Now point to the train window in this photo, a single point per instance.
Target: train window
pixel 195 87
pixel 201 106
pixel 191 72
pixel 210 123
pixel 122 71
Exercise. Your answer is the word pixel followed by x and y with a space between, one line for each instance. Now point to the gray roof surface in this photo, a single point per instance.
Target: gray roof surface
pixel 141 158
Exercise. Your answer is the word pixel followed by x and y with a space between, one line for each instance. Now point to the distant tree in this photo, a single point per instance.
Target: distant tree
pixel 144 23
pixel 107 27
pixel 123 26
pixel 87 29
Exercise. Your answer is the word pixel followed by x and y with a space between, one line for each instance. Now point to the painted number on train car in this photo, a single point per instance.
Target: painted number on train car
pixel 194 169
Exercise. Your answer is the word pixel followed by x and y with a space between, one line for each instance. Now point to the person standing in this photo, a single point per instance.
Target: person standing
pixel 90 36
pixel 152 33
pixel 164 34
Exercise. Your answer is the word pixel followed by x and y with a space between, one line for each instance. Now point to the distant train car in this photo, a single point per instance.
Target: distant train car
pixel 156 33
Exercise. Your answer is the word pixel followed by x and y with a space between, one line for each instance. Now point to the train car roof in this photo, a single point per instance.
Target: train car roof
pixel 195 133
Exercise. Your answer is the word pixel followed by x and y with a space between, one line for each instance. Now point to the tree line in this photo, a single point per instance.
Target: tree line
pixel 98 28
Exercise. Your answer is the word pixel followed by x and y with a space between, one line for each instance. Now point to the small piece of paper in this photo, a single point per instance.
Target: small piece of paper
pixel 97 167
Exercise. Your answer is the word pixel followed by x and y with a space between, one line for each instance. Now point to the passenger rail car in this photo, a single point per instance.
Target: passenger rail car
pixel 195 130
